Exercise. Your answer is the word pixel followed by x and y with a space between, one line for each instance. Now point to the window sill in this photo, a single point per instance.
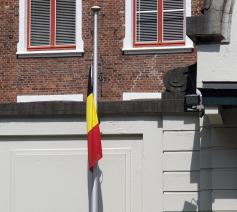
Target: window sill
pixel 157 50
pixel 45 54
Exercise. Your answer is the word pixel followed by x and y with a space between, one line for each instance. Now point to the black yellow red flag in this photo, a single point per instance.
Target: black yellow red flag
pixel 93 129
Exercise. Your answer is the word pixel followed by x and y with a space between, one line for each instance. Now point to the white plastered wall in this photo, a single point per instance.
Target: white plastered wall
pixel 219 148
pixel 161 164
pixel 218 62
pixel 199 164
pixel 43 165
pixel 181 163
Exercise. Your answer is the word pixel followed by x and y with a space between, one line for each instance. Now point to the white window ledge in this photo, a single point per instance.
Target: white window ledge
pixel 61 53
pixel 158 50
pixel 49 98
pixel 140 95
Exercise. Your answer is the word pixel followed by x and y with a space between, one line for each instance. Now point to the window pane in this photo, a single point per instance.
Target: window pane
pixel 173 20
pixel 146 5
pixel 65 22
pixel 40 22
pixel 173 4
pixel 146 20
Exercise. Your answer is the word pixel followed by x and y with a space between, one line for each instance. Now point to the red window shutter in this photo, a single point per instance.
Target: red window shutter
pixel 39 22
pixel 173 20
pixel 65 22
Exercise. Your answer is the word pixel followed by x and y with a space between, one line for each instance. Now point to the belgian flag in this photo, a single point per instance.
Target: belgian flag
pixel 93 129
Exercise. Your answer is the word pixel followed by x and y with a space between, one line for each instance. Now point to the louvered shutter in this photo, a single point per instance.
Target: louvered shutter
pixel 146 20
pixel 173 20
pixel 40 22
pixel 65 22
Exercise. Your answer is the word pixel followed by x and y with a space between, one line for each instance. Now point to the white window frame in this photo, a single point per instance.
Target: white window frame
pixel 22 44
pixel 128 47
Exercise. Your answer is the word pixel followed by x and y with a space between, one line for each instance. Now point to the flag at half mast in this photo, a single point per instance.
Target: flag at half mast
pixel 93 129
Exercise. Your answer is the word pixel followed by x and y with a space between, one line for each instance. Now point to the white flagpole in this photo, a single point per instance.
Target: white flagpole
pixel 95 177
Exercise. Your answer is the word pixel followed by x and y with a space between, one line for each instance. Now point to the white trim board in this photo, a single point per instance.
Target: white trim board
pixel 140 95
pixel 47 98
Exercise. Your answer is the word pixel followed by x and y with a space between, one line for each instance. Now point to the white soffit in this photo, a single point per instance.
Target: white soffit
pixel 46 98
pixel 142 95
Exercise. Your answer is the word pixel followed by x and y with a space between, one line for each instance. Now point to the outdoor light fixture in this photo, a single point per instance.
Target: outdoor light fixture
pixel 192 101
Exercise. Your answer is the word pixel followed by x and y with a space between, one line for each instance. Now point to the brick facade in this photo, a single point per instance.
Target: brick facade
pixel 197 6
pixel 118 73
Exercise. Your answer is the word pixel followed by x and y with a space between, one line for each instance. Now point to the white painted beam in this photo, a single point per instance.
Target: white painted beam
pixel 214 115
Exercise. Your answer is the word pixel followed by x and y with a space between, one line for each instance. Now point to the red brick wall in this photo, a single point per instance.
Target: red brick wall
pixel 119 73
pixel 197 6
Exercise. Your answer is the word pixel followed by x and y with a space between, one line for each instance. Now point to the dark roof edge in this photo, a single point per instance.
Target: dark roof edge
pixel 69 109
